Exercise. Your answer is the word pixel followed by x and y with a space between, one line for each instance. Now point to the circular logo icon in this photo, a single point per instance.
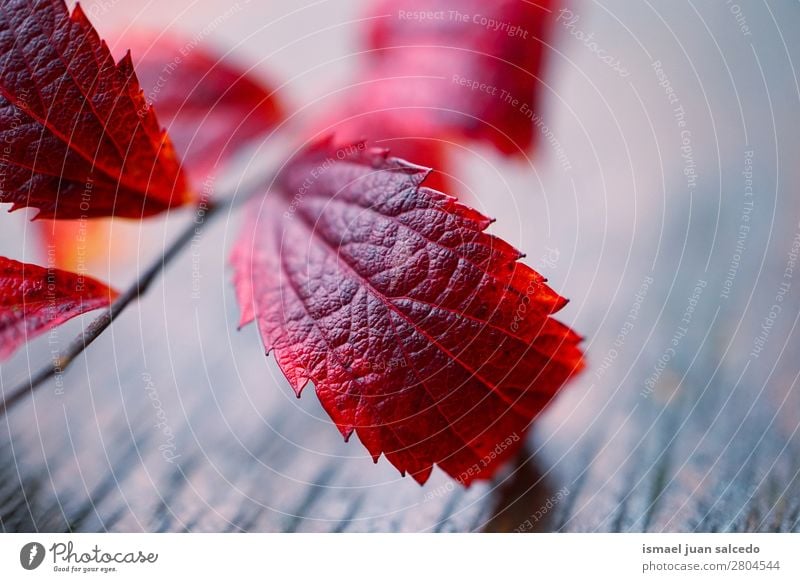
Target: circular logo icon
pixel 31 555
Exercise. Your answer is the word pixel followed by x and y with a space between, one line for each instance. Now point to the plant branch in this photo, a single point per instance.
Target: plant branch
pixel 60 363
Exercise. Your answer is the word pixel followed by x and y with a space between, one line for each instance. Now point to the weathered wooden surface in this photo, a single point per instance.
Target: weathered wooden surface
pixel 176 421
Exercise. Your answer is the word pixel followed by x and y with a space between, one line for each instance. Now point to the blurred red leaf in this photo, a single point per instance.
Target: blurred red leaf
pixel 210 105
pixel 419 330
pixel 75 244
pixel 388 132
pixel 80 139
pixel 455 69
pixel 210 108
pixel 91 246
pixel 34 299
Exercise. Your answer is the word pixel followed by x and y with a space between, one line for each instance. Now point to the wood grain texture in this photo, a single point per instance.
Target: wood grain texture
pixel 175 421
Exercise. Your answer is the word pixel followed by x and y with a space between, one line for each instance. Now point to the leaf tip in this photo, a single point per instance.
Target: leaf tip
pixel 78 15
pixel 125 64
pixel 422 475
pixel 244 321
pixel 299 382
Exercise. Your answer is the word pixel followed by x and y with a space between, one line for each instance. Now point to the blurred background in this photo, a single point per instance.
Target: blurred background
pixel 661 199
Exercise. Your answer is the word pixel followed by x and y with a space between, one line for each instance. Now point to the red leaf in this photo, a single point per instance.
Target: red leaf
pixel 420 331
pixel 34 299
pixel 80 138
pixel 210 106
pixel 457 68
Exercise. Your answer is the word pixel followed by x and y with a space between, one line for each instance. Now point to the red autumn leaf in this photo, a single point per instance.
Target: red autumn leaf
pixel 457 68
pixel 81 141
pixel 419 330
pixel 210 106
pixel 34 299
